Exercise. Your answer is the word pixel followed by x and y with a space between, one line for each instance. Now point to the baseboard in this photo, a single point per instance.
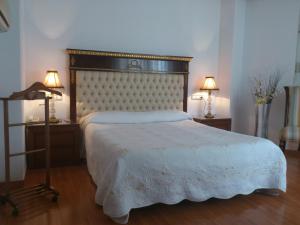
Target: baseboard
pixel 292 145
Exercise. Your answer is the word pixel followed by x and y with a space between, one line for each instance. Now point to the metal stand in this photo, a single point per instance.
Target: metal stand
pixel 23 195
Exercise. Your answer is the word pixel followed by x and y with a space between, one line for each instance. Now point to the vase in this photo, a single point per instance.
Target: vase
pixel 262 119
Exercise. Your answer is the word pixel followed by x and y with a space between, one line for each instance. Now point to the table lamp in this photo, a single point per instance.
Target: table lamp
pixel 52 81
pixel 209 85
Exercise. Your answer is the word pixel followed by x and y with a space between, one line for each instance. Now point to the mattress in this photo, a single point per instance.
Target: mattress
pixel 143 162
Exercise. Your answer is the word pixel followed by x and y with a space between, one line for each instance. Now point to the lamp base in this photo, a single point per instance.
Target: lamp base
pixel 53 120
pixel 209 116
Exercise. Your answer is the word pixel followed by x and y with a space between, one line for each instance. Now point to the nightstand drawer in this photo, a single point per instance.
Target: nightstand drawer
pixel 58 139
pixel 221 123
pixel 64 145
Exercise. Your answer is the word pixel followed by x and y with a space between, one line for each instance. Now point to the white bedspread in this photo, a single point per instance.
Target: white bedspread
pixel 136 165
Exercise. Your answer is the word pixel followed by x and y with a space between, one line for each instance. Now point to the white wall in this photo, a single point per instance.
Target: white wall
pixel 11 80
pixel 232 21
pixel 172 27
pixel 232 40
pixel 296 80
pixel 238 37
pixel 270 43
pixel 225 52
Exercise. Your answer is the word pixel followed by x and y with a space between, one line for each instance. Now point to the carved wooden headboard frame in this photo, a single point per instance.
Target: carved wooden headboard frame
pixel 86 60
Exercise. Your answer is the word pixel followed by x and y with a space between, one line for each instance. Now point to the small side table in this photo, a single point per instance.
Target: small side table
pixel 217 122
pixel 64 144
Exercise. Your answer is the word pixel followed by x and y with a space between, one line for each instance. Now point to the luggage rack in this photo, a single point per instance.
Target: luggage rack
pixel 21 196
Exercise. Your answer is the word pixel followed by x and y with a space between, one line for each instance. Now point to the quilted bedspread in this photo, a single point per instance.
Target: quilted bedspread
pixel 136 165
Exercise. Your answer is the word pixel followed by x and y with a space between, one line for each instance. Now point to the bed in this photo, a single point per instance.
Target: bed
pixel 143 148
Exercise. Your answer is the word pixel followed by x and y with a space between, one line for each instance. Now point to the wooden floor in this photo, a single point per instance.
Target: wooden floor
pixel 76 205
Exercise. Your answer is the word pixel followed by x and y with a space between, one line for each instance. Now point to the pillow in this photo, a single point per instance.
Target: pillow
pixel 117 117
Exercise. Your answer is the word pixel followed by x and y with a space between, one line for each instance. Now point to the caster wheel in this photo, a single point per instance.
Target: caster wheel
pixel 38 190
pixel 15 212
pixel 2 201
pixel 55 198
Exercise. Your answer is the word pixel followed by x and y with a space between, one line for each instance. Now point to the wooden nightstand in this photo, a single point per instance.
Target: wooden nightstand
pixel 64 144
pixel 221 123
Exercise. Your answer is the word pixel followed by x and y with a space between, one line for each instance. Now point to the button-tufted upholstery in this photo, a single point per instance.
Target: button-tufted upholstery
pixel 116 91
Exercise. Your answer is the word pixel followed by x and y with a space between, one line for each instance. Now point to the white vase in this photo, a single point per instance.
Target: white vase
pixel 262 120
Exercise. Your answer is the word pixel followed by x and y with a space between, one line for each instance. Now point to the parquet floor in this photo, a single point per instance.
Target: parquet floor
pixel 76 205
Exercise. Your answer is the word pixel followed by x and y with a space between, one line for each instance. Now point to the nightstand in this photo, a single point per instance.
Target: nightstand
pixel 64 144
pixel 221 123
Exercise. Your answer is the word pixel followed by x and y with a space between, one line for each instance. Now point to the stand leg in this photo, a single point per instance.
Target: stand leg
pixel 47 142
pixel 282 145
pixel 55 197
pixel 6 145
pixel 6 199
pixel 15 212
pixel 2 200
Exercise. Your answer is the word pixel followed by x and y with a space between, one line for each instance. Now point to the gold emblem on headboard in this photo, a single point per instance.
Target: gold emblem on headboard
pixel 134 64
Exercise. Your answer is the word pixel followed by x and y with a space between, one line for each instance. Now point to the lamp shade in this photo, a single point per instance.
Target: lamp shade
pixel 209 84
pixel 52 79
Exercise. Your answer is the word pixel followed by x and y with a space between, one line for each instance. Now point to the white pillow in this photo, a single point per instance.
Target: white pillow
pixel 117 117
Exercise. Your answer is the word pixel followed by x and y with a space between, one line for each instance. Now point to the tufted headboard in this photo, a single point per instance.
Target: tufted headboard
pixel 111 81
